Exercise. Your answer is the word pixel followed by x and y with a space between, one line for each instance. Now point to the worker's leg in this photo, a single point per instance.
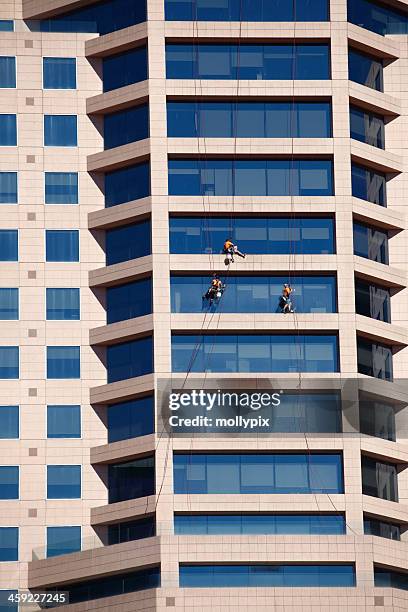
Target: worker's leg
pixel 239 253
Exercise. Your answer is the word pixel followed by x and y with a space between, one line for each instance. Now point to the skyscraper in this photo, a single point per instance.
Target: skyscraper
pixel 136 136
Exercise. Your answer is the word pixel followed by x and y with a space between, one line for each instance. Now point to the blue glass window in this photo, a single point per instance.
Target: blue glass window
pixel 8 304
pixel 255 235
pixel 59 72
pixel 61 187
pixel 124 69
pixel 216 576
pixel 63 305
pixel 8 188
pixel 63 362
pixel 249 119
pixel 248 524
pixel 103 17
pixel 8 543
pixel 377 417
pixel 63 481
pixel 374 359
pixel 127 184
pixel 246 10
pixel 258 474
pixel 8 245
pixel 377 17
pixel 9 482
pixel 6 25
pixel 131 419
pixel 369 185
pixel 367 127
pixel 385 578
pixel 129 359
pixel 382 529
pixel 8 130
pixel 373 301
pixel 60 131
pixel 129 300
pixel 5 604
pixel 248 61
pixel 63 540
pixel 131 479
pixel 250 177
pixel 62 245
pixel 126 126
pixel 250 353
pixel 63 421
pixel 9 422
pixel 315 294
pixel 379 479
pixel 370 242
pixel 128 242
pixel 7 72
pixel 9 362
pixel 366 70
pixel 131 530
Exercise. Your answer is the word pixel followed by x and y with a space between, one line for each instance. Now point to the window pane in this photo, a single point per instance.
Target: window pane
pixel 63 540
pixel 63 481
pixel 60 131
pixel 129 359
pixel 373 301
pixel 382 529
pixel 124 69
pixel 374 359
pixel 63 362
pixel 377 418
pixel 390 579
pixel 246 10
pixel 379 479
pixel 8 188
pixel 131 530
pixel 368 185
pixel 6 605
pixel 59 72
pixel 131 419
pixel 8 304
pixel 8 543
pixel 61 188
pixel 127 184
pixel 6 25
pixel 8 130
pixel 377 17
pixel 367 127
pixel 9 482
pixel 128 242
pixel 63 421
pixel 9 362
pixel 366 70
pixel 126 126
pixel 7 72
pixel 9 422
pixel 62 245
pixel 63 304
pixel 129 300
pixel 370 242
pixel 131 479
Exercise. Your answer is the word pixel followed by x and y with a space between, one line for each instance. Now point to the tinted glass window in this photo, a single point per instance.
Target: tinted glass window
pixel 63 540
pixel 6 25
pixel 246 353
pixel 127 184
pixel 8 543
pixel 8 188
pixel 216 576
pixel 131 479
pixel 377 17
pixel 8 304
pixel 9 362
pixel 374 359
pixel 129 359
pixel 367 127
pixel 62 245
pixel 258 474
pixel 379 479
pixel 373 301
pixel 382 529
pixel 131 530
pixel 63 362
pixel 390 579
pixel 8 606
pixel 278 236
pixel 126 126
pixel 7 72
pixel 63 481
pixel 272 177
pixel 124 69
pixel 131 419
pixel 377 418
pixel 128 242
pixel 8 130
pixel 255 293
pixel 366 70
pixel 247 61
pixel 246 10
pixel 59 72
pixel 60 131
pixel 63 421
pixel 129 300
pixel 61 188
pixel 9 482
pixel 63 304
pixel 249 119
pixel 9 422
pixel 370 242
pixel 369 185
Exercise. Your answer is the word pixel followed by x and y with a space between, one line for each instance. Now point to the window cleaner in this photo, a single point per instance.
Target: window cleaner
pixel 215 290
pixel 285 302
pixel 230 249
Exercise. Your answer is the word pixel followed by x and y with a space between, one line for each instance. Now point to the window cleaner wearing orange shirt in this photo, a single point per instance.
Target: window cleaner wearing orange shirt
pixel 230 249
pixel 285 301
pixel 215 290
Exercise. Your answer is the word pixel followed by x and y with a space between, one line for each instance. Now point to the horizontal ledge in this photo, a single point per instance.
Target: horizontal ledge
pixel 121 272
pixel 122 214
pixel 128 329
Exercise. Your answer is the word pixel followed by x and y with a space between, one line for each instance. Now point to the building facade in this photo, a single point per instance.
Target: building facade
pixel 135 137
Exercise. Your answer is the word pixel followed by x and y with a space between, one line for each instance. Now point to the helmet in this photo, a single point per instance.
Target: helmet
pixel 215 275
pixel 286 285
